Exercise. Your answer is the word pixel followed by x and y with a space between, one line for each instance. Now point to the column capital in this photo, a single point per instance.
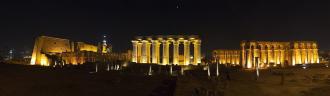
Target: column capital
pixel 134 41
pixel 154 40
pixel 186 42
pixel 144 41
pixel 196 41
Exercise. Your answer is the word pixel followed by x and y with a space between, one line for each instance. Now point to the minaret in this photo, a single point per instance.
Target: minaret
pixel 105 45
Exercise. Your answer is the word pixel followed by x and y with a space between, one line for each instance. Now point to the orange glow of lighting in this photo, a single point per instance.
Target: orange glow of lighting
pixel 43 62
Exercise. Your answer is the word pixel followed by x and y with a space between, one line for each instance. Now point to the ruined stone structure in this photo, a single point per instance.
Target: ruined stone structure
pixel 278 53
pixel 50 45
pixel 149 49
pixel 270 53
pixel 227 56
pixel 46 49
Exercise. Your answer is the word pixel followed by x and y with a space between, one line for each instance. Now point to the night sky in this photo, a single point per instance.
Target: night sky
pixel 220 23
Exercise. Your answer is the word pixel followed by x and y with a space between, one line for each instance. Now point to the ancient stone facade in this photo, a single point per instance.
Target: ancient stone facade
pixel 149 49
pixel 227 56
pixel 271 53
pixel 47 49
pixel 278 53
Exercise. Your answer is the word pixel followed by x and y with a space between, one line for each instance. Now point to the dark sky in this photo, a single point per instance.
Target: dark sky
pixel 220 23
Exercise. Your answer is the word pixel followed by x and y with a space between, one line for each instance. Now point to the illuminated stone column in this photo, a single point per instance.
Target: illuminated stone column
pixel 277 54
pixel 237 57
pixel 176 45
pixel 310 53
pixel 197 52
pixel 271 54
pixel 315 53
pixel 249 57
pixel 166 45
pixel 222 57
pixel 297 53
pixel 263 54
pixel 298 56
pixel 282 55
pixel 293 57
pixel 243 55
pixel 232 57
pixel 148 52
pixel 155 51
pixel 255 54
pixel 186 52
pixel 229 57
pixel 144 51
pixel 139 50
pixel 225 57
pixel 304 53
pixel 134 51
pixel 158 53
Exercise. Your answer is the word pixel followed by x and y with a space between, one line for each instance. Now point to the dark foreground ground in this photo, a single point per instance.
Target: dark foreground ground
pixel 20 80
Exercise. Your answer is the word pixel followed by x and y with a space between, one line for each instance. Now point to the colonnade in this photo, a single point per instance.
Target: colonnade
pixel 269 53
pixel 278 53
pixel 227 56
pixel 148 50
pixel 305 53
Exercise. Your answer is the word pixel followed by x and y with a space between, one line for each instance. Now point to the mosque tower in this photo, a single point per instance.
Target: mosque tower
pixel 106 47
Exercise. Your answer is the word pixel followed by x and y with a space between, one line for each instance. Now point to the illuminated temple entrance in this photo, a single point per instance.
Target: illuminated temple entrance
pixel 156 50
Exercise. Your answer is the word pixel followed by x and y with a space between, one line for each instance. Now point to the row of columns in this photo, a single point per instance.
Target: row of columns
pixel 228 56
pixel 278 53
pixel 141 51
pixel 305 53
pixel 275 55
